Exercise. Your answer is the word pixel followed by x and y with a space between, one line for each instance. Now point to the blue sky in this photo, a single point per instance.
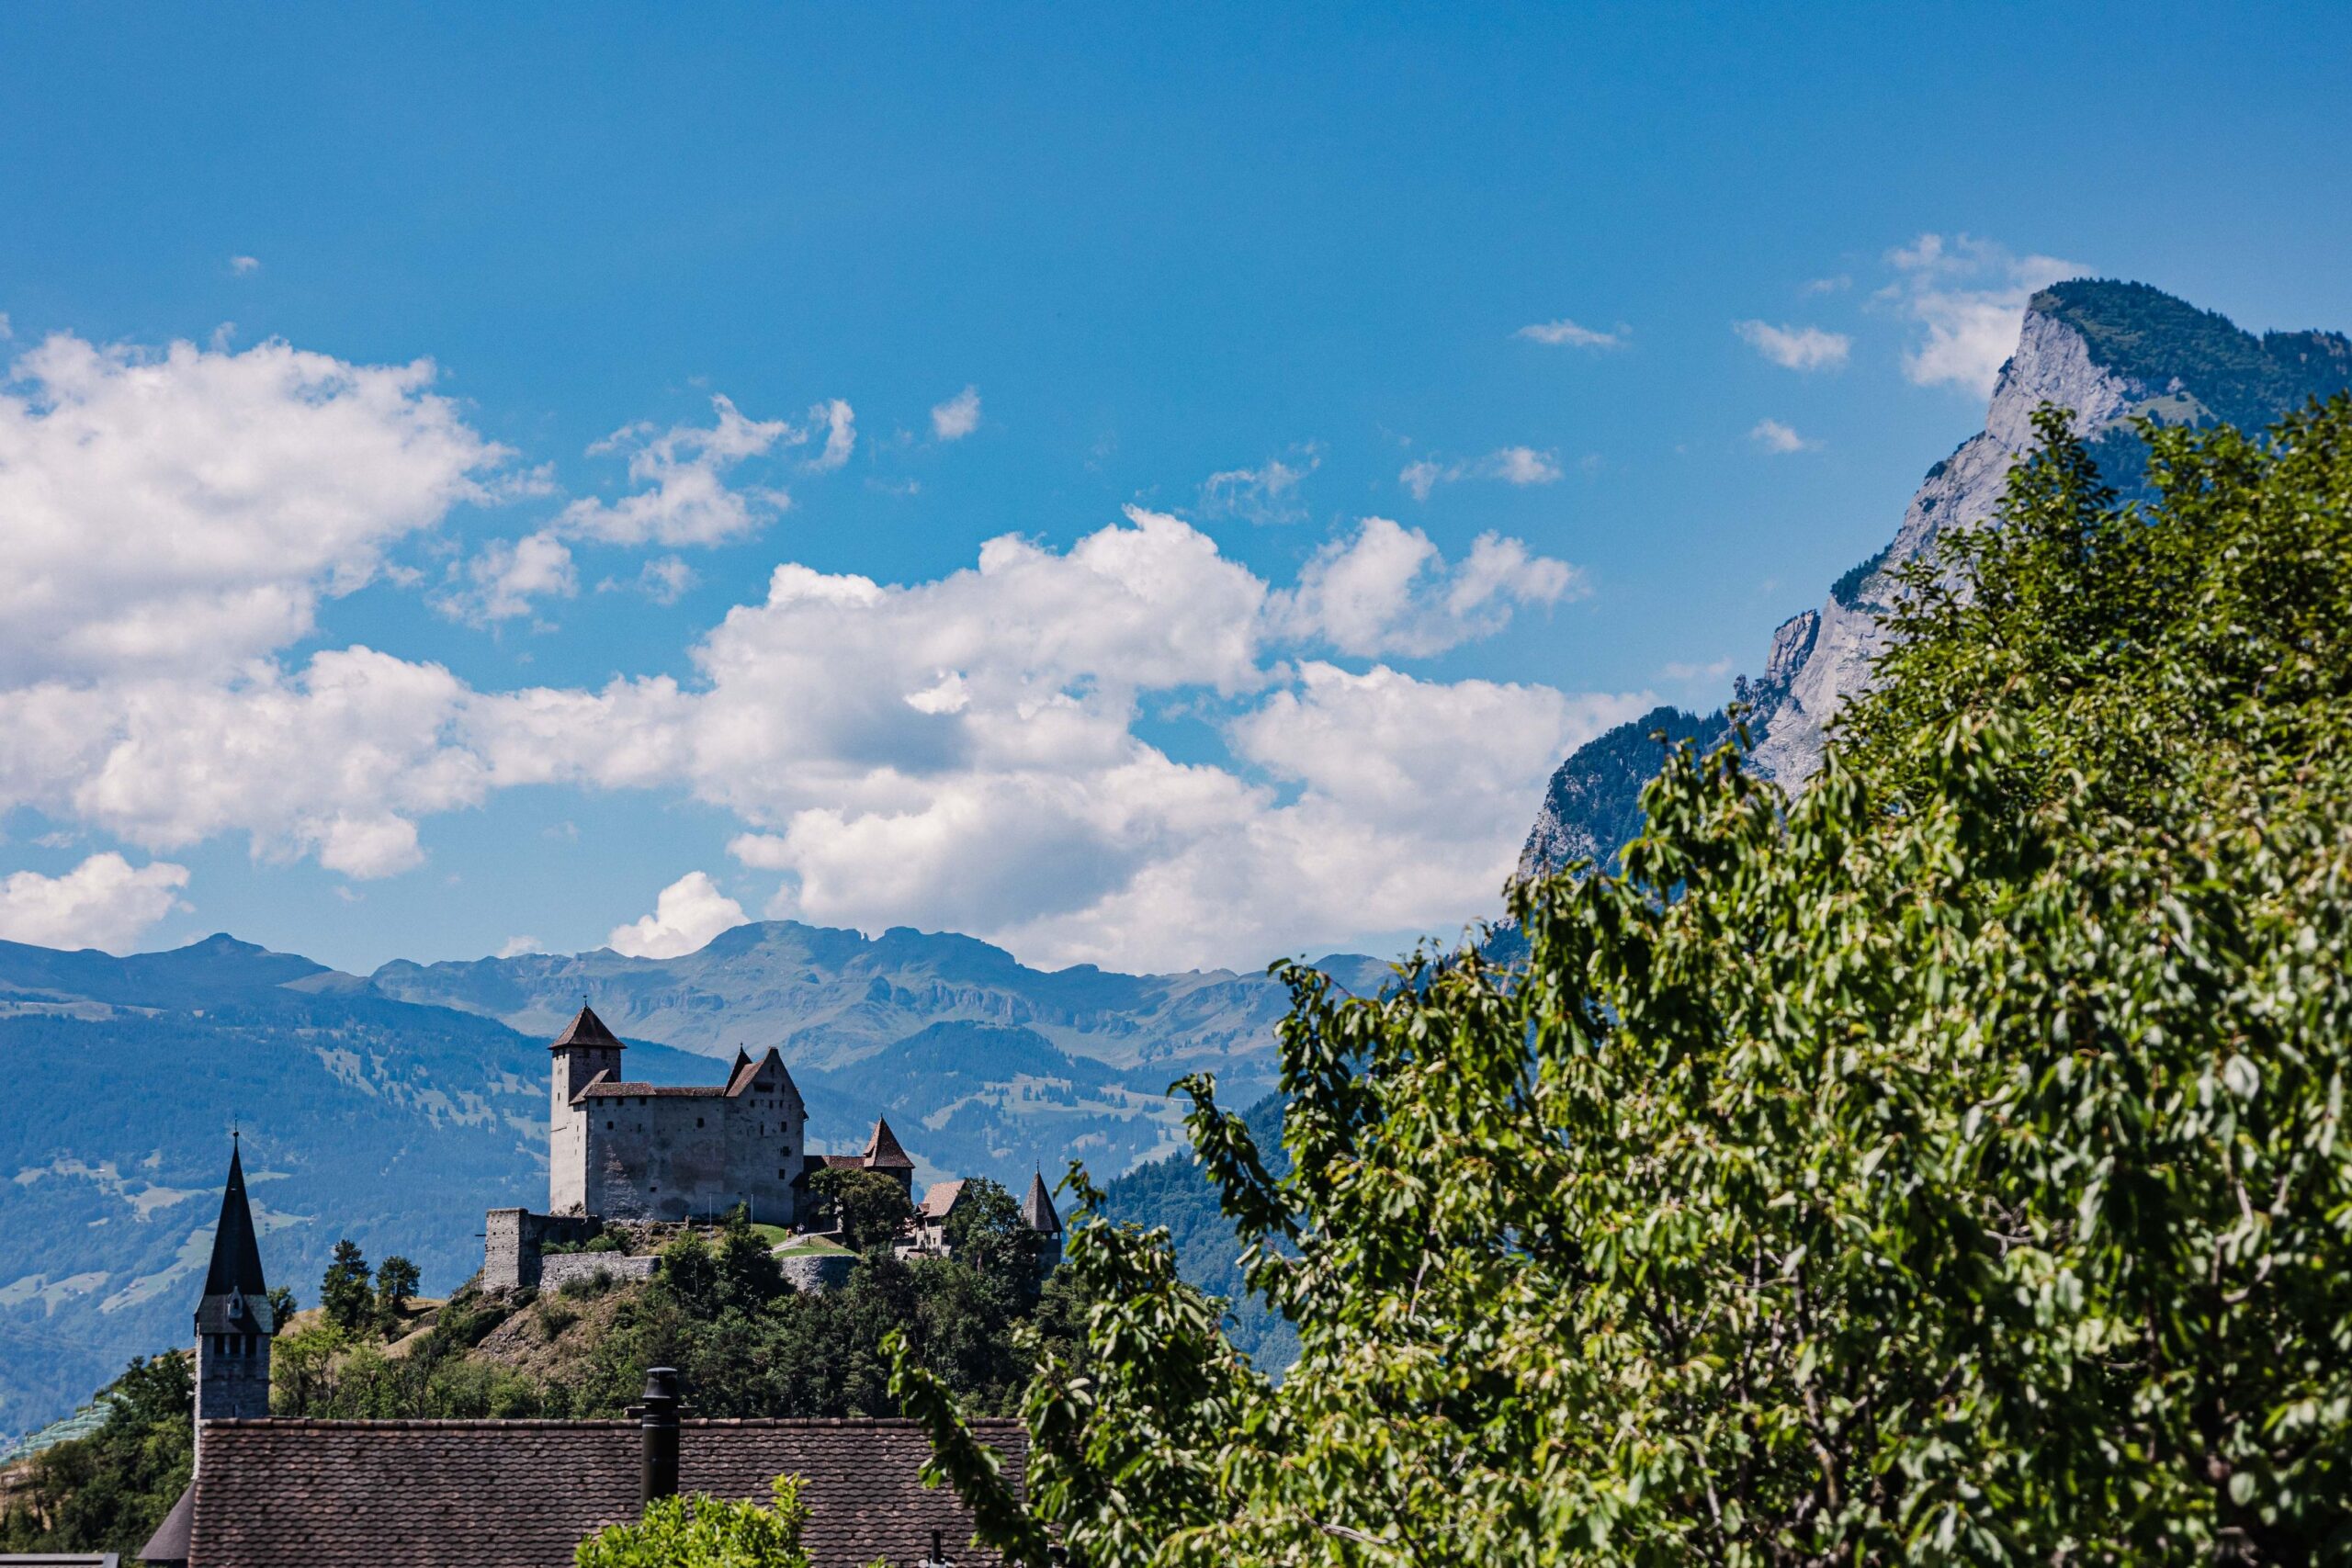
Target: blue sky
pixel 1158 247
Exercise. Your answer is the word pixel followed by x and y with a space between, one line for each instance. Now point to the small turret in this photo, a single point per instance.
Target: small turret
pixel 581 1053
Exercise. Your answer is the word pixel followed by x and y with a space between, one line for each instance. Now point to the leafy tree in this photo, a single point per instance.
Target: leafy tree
pixel 109 1491
pixel 282 1307
pixel 396 1279
pixel 871 1208
pixel 344 1295
pixel 706 1532
pixel 1944 1166
pixel 986 1230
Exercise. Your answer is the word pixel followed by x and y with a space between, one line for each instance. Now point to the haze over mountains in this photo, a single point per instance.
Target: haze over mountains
pixel 394 1108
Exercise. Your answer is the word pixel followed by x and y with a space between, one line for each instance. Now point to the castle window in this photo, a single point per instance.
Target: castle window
pixel 608 1126
pixel 697 1120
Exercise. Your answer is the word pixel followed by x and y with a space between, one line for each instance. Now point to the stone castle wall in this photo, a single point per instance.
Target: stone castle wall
pixel 511 1243
pixel 690 1157
pixel 566 1267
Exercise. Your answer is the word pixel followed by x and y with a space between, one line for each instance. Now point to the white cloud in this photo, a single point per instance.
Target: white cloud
pixel 244 265
pixel 103 902
pixel 185 511
pixel 1836 285
pixel 686 915
pixel 1566 333
pixel 1685 672
pixel 1970 294
pixel 1797 348
pixel 688 502
pixel 1265 494
pixel 517 946
pixel 957 417
pixel 1774 437
pixel 1388 591
pixel 966 753
pixel 506 577
pixel 840 425
pixel 1512 465
pixel 666 580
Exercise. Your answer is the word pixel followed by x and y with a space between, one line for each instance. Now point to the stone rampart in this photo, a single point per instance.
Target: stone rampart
pixel 511 1243
pixel 565 1267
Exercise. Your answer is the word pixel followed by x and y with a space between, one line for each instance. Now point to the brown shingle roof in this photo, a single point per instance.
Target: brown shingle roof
pixel 882 1150
pixel 302 1493
pixel 939 1198
pixel 586 1029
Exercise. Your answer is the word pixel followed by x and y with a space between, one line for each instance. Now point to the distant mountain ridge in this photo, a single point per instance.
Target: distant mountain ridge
pixel 2109 351
pixel 395 1108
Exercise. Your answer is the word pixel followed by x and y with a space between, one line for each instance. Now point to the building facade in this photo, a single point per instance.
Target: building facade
pixel 641 1151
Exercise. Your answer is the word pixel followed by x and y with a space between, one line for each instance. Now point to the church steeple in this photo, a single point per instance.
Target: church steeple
pixel 236 1250
pixel 233 1321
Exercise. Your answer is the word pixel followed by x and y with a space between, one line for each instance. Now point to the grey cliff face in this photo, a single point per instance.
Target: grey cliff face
pixel 2108 350
pixel 2052 363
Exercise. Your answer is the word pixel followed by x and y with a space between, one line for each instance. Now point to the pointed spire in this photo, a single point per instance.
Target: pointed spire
pixel 586 1029
pixel 1037 1208
pixel 236 1251
pixel 882 1150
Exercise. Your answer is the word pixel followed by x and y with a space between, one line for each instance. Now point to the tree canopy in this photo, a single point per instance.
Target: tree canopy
pixel 1944 1165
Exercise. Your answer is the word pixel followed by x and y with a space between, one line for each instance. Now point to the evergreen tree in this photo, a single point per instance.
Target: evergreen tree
pixel 344 1295
pixel 396 1279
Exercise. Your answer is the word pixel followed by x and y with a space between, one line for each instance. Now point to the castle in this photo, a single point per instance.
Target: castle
pixel 619 1151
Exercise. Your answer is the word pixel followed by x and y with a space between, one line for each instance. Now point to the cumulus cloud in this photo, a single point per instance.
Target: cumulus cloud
pixel 1970 297
pixel 507 576
pixel 1267 495
pixel 687 501
pixel 967 751
pixel 517 946
pixel 686 915
pixel 1566 333
pixel 1774 437
pixel 1388 591
pixel 1512 465
pixel 1797 348
pixel 666 578
pixel 187 510
pixel 103 902
pixel 957 417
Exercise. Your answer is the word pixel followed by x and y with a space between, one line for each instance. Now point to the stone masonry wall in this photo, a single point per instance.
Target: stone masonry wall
pixel 511 1243
pixel 565 1267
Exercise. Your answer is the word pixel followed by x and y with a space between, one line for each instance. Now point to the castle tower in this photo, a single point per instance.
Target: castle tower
pixel 582 1053
pixel 883 1154
pixel 233 1323
pixel 1037 1213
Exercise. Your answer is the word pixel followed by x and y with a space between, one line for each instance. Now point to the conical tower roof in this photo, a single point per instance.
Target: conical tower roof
pixel 1037 1208
pixel 236 1251
pixel 882 1150
pixel 586 1029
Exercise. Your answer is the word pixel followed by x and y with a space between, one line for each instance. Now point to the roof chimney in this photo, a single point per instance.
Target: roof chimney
pixel 657 1421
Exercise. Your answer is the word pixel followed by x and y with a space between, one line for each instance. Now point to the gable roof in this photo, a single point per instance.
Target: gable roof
pixel 882 1150
pixel 587 1029
pixel 302 1493
pixel 236 1254
pixel 939 1198
pixel 1037 1207
pixel 169 1543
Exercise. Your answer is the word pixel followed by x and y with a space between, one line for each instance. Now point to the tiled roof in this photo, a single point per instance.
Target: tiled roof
pixel 940 1197
pixel 302 1493
pixel 586 1029
pixel 599 1086
pixel 1037 1208
pixel 882 1150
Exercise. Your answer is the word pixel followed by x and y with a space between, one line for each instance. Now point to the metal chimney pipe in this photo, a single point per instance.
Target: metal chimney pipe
pixel 657 1422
